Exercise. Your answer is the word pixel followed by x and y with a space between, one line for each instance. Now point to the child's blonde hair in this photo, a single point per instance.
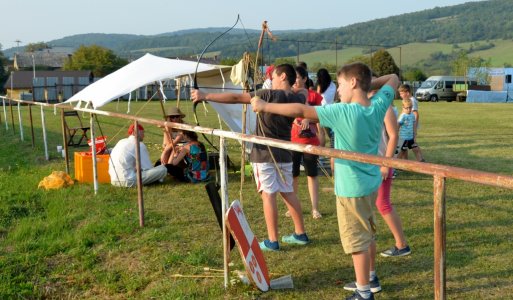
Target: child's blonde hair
pixel 407 102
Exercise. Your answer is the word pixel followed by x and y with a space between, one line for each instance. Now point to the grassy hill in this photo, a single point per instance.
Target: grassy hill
pixel 414 54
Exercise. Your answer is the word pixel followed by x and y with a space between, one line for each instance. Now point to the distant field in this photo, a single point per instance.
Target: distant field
pixel 409 54
pixel 329 56
pixel 500 54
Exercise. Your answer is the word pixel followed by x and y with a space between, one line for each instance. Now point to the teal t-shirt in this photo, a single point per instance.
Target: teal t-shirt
pixel 357 128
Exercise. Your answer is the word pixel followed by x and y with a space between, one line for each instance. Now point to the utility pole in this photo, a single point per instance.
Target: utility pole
pixel 33 68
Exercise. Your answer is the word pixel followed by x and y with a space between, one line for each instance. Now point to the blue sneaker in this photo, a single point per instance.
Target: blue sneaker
pixel 375 287
pixel 357 296
pixel 298 239
pixel 395 252
pixel 267 245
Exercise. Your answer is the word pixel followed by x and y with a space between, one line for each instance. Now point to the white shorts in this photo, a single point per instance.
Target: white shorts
pixel 268 179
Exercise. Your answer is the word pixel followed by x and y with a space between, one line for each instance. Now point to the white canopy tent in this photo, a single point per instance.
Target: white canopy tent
pixel 150 69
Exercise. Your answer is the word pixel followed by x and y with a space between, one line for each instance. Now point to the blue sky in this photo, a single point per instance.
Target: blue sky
pixel 33 21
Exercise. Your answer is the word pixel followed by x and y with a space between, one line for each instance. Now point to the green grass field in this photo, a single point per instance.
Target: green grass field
pixel 72 244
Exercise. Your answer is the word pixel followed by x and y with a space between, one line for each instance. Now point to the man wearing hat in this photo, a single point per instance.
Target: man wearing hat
pixel 174 115
pixel 122 162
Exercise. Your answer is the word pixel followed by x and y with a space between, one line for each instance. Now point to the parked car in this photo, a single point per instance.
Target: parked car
pixel 440 88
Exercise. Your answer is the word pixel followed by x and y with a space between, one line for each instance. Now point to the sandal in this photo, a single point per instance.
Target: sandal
pixel 316 214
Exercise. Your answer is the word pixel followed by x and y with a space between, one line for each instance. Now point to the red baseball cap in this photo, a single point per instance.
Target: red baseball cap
pixel 131 128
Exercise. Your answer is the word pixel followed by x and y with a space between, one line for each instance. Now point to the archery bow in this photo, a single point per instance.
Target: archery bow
pixel 195 83
pixel 265 29
pixel 195 86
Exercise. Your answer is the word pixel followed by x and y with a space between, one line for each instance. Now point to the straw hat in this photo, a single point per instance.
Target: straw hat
pixel 175 111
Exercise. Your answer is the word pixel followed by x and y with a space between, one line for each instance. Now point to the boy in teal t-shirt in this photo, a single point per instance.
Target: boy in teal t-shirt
pixel 357 123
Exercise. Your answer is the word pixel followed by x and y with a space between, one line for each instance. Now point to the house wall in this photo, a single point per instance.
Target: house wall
pixel 16 93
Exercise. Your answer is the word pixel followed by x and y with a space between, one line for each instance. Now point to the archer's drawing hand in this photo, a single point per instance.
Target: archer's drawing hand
pixel 305 124
pixel 384 173
pixel 257 104
pixel 197 95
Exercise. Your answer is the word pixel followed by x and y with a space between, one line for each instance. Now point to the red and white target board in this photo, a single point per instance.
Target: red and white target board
pixel 248 247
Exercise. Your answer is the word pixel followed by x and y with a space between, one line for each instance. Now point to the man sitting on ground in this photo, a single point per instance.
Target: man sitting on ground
pixel 122 162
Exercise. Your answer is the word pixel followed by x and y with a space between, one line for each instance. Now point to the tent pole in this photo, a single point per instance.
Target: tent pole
pixel 31 125
pixel 10 104
pixel 224 206
pixel 65 140
pixel 93 150
pixel 45 142
pixel 20 121
pixel 5 115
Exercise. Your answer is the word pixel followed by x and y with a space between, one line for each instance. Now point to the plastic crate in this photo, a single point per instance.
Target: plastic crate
pixel 84 167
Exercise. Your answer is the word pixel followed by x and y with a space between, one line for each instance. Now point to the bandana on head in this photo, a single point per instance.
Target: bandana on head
pixel 131 128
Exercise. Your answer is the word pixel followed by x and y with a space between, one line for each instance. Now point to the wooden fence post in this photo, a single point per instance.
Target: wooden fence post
pixel 440 235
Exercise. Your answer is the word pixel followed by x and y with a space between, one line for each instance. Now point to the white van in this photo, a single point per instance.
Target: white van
pixel 438 88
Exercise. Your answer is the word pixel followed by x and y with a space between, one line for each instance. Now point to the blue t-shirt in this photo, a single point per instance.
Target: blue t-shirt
pixel 357 128
pixel 406 122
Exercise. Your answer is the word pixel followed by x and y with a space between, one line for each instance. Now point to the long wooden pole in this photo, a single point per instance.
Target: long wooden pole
pixel 10 103
pixel 140 200
pixel 440 236
pixel 64 140
pixel 413 166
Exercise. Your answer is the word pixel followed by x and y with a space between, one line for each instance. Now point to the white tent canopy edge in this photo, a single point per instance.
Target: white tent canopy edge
pixel 150 69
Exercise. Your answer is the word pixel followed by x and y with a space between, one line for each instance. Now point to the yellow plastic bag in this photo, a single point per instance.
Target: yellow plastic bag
pixel 56 180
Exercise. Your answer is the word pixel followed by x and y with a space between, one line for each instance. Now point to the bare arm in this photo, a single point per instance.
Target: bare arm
pixel 390 79
pixel 168 138
pixel 416 114
pixel 176 159
pixel 392 131
pixel 393 136
pixel 293 110
pixel 415 131
pixel 227 98
pixel 320 134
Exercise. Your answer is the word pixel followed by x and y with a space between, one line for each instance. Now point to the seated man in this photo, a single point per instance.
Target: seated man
pixel 122 167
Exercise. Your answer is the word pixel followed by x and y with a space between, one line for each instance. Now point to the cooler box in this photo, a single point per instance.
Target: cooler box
pixel 84 167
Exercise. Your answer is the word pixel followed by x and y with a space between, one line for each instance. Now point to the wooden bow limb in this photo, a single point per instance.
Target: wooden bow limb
pixel 265 29
pixel 323 169
pixel 247 64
